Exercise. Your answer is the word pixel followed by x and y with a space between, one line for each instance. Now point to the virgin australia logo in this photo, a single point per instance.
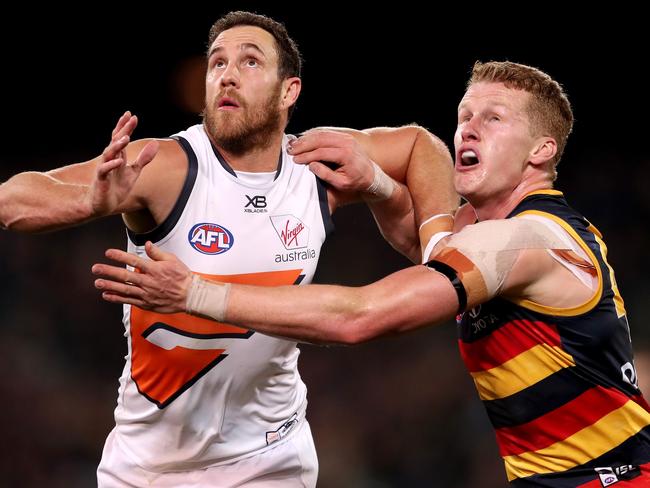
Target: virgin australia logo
pixel 293 233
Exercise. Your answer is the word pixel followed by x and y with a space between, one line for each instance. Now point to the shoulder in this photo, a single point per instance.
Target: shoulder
pixel 506 235
pixel 170 157
pixel 165 174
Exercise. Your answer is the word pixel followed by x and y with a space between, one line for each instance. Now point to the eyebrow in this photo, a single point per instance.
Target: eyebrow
pixel 246 45
pixel 492 105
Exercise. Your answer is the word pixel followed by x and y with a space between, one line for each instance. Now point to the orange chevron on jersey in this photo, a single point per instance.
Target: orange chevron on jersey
pixel 170 352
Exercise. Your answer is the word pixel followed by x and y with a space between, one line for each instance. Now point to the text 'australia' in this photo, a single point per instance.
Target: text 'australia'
pixel 295 256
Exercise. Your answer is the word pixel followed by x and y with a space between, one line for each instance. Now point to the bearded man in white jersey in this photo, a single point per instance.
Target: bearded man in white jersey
pixel 205 404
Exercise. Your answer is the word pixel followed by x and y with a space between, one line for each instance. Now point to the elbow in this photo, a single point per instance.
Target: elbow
pixel 12 220
pixel 441 149
pixel 17 225
pixel 7 222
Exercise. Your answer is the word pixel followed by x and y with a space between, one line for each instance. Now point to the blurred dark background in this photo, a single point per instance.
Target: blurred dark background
pixel 393 413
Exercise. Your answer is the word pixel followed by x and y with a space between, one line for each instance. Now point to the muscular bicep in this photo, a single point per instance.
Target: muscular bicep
pixel 499 257
pixel 409 299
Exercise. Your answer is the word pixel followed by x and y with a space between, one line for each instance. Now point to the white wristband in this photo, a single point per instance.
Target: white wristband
pixel 207 298
pixel 381 188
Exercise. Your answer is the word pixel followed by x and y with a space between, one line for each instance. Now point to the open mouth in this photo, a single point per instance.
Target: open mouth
pixel 468 158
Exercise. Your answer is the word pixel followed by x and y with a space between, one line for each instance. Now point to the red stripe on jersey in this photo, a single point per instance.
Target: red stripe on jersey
pixel 507 342
pixel 561 423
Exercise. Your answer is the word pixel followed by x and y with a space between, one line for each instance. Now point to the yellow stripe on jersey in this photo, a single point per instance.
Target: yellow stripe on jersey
pixel 570 311
pixel 545 192
pixel 520 372
pixel 618 299
pixel 589 443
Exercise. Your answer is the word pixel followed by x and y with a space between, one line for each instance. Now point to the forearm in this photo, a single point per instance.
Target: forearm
pixel 318 314
pixel 427 170
pixel 395 219
pixel 37 202
pixel 326 314
pixel 429 177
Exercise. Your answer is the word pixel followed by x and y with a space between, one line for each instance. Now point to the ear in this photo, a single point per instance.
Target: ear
pixel 290 91
pixel 544 150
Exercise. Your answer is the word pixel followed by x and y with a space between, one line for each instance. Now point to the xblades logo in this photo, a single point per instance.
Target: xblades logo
pixel 257 202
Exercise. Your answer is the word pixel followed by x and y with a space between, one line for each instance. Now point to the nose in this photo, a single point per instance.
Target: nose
pixel 230 76
pixel 469 130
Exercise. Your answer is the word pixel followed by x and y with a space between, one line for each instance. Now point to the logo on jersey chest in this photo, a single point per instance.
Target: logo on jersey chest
pixel 210 238
pixel 477 321
pixel 294 235
pixel 256 204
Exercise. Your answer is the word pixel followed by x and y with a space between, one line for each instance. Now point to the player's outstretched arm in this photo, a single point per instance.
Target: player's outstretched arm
pixel 406 300
pixel 68 196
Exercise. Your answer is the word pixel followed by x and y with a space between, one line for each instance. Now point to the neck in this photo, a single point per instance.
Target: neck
pixel 498 207
pixel 257 159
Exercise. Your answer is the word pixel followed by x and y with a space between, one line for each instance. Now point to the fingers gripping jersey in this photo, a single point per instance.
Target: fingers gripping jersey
pixel 196 393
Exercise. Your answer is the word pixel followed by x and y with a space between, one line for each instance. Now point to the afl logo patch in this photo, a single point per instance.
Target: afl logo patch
pixel 210 238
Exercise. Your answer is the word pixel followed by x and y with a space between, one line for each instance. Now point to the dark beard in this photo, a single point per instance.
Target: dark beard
pixel 254 131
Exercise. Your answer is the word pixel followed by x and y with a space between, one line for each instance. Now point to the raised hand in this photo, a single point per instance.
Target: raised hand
pixel 115 175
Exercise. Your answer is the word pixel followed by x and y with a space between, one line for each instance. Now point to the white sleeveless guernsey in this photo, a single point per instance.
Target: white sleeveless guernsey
pixel 196 393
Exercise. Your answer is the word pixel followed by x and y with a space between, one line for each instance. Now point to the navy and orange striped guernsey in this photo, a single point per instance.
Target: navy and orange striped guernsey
pixel 559 385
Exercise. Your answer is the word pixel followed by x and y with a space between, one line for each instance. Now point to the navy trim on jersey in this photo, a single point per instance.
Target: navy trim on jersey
pixel 277 173
pixel 324 206
pixel 222 160
pixel 168 224
pixel 229 169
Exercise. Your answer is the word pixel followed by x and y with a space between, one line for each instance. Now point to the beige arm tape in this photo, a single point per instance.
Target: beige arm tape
pixel 207 298
pixel 381 188
pixel 492 247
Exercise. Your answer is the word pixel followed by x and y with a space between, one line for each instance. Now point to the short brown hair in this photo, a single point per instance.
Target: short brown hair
pixel 289 59
pixel 549 109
